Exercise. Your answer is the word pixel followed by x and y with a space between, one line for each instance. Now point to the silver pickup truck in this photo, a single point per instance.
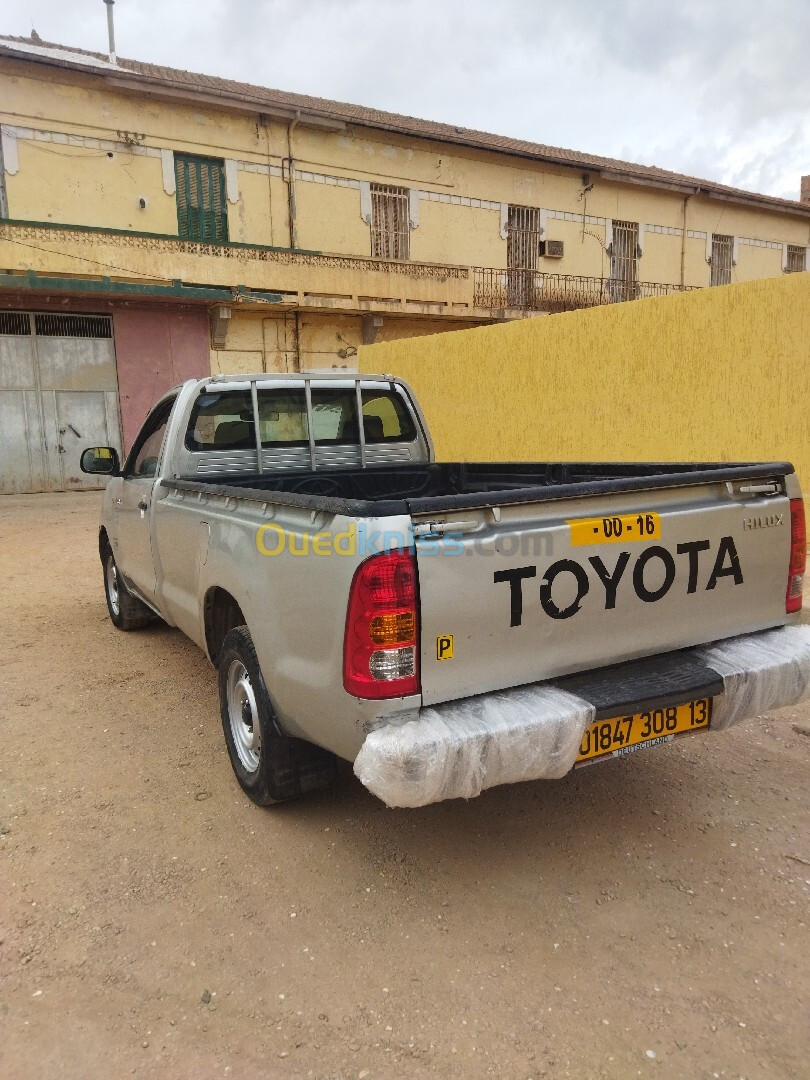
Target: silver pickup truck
pixel 446 626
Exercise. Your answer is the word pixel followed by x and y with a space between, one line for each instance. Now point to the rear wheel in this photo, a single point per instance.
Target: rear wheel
pixel 270 766
pixel 126 611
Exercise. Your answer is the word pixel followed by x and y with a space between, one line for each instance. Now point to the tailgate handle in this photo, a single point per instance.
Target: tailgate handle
pixel 439 528
pixel 760 489
pixel 769 487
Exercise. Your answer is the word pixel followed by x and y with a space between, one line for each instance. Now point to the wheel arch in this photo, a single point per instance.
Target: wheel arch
pixel 221 613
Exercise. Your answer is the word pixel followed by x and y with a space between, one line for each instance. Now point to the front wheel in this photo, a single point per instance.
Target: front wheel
pixel 270 766
pixel 127 612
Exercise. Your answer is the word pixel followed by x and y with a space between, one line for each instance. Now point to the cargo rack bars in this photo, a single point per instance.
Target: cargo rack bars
pixel 307 378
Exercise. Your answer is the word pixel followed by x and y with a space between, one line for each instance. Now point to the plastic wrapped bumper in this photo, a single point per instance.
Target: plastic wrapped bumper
pixel 458 749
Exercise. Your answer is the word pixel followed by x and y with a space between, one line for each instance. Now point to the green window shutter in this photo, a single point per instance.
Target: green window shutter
pixel 202 212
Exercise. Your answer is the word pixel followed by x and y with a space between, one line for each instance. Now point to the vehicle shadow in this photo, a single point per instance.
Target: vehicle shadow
pixel 599 816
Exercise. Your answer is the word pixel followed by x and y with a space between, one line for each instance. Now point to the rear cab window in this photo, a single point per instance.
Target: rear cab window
pixel 223 420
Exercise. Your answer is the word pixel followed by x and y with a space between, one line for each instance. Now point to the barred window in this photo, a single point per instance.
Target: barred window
pixel 796 259
pixel 390 226
pixel 722 257
pixel 624 261
pixel 522 246
pixel 202 213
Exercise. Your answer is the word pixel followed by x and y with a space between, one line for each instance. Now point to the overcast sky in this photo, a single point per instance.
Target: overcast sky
pixel 718 89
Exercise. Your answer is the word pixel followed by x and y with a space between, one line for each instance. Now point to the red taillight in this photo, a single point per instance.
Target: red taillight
pixel 798 556
pixel 381 646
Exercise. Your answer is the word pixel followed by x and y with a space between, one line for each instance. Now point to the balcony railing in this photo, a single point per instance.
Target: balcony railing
pixel 533 290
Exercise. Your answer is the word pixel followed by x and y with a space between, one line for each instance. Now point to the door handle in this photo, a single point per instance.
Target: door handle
pixel 143 506
pixel 439 528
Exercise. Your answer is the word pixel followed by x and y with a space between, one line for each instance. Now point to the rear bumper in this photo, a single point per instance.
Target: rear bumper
pixel 458 749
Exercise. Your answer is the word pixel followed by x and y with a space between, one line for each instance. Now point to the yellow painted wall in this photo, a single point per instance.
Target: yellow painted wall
pixel 78 186
pixel 720 374
pixel 249 220
pixel 756 262
pixel 584 252
pixel 328 219
pixel 82 185
pixel 462 235
pixel 661 252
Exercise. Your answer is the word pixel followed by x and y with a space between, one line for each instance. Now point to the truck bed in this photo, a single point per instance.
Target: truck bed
pixel 523 598
pixel 448 486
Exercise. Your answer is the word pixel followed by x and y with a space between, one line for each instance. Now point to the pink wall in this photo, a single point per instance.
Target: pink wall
pixel 155 349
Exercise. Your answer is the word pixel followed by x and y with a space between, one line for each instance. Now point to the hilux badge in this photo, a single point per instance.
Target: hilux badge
pixel 764 521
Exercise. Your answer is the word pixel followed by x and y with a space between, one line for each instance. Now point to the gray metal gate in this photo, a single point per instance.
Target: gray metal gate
pixel 58 395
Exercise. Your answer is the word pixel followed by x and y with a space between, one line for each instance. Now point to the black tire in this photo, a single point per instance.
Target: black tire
pixel 270 766
pixel 127 612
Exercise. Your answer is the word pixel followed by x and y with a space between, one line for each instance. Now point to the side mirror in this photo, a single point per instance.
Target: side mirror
pixel 101 461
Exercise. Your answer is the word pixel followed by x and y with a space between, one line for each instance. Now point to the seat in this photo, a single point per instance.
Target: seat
pixel 235 435
pixel 373 427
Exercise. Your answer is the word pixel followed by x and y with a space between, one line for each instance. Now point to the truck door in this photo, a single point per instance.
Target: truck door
pixel 134 501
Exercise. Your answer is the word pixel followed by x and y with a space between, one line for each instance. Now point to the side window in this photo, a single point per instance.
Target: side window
pixel 222 421
pixel 386 418
pixel 145 453
pixel 796 259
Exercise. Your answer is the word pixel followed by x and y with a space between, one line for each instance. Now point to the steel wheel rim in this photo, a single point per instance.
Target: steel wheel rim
pixel 243 716
pixel 112 585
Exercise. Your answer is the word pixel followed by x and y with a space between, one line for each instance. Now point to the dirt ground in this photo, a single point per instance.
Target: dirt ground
pixel 642 918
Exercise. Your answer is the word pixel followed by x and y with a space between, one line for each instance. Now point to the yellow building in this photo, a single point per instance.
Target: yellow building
pixel 195 224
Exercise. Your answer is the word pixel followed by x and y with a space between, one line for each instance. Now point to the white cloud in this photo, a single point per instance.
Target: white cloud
pixel 716 89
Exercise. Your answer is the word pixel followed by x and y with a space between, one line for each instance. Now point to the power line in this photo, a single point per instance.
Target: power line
pixel 80 258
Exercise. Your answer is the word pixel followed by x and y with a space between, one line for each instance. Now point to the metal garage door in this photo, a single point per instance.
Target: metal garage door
pixel 58 395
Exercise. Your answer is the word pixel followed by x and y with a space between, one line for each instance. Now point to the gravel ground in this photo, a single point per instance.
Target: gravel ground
pixel 643 918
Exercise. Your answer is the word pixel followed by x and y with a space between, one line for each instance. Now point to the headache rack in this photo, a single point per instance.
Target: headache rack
pixel 307 378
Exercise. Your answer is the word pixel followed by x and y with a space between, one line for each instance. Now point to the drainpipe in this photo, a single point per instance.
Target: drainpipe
pixel 3 196
pixel 291 180
pixel 264 121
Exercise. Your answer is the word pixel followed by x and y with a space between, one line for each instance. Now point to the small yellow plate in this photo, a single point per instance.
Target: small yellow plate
pixel 444 647
pixel 620 528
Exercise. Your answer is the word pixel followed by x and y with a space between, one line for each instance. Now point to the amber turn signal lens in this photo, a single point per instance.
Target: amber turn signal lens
pixel 392 629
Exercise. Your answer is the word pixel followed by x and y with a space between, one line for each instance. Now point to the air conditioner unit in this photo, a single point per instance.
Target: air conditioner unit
pixel 552 249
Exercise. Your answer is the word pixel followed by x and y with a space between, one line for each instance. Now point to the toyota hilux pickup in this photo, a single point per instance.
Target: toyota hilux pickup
pixel 445 626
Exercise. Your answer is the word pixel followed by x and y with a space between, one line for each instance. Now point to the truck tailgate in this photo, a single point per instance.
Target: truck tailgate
pixel 524 592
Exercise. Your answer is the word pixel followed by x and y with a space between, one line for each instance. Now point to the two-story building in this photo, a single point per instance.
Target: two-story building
pixel 157 224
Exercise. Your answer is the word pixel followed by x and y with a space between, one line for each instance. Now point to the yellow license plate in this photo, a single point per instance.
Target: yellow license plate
pixel 620 528
pixel 625 734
